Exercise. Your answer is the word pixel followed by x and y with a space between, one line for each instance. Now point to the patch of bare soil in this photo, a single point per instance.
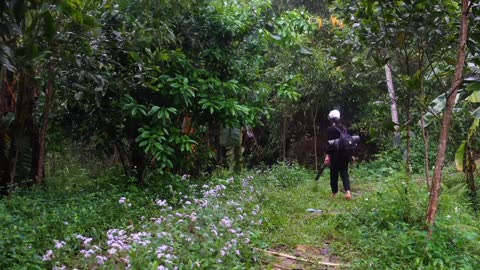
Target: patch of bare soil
pixel 303 257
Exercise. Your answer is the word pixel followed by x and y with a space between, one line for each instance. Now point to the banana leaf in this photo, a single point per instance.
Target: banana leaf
pixel 230 137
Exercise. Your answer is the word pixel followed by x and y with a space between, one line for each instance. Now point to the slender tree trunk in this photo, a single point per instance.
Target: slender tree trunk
pixel 284 136
pixel 393 97
pixel 49 96
pixel 470 175
pixel 408 165
pixel 4 169
pixel 121 153
pixel 426 139
pixel 4 161
pixel 315 137
pixel 447 117
pixel 22 128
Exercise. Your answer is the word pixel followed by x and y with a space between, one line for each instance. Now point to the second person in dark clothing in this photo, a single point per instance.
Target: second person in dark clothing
pixel 337 161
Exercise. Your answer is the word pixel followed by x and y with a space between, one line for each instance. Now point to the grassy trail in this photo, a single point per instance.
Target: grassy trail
pixel 232 222
pixel 381 228
pixel 300 221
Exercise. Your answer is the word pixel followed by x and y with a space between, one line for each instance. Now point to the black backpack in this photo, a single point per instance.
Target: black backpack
pixel 346 143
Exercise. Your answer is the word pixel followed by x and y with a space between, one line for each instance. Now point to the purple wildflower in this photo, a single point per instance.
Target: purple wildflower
pixel 86 241
pixel 59 244
pixel 161 203
pixel 226 222
pixel 48 255
pixel 101 260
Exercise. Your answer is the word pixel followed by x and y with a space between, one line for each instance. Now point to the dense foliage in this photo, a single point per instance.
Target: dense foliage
pixel 96 222
pixel 80 222
pixel 154 97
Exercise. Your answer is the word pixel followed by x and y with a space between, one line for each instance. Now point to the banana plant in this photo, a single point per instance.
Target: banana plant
pixel 464 159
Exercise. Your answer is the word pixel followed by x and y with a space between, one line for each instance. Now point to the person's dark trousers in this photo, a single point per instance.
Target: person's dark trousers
pixel 342 169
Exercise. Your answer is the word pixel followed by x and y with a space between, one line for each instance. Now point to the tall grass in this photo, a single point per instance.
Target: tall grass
pixel 382 228
pixel 101 221
pixel 77 221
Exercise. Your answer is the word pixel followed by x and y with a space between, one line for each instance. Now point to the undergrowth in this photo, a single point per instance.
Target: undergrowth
pixel 103 221
pixel 77 221
pixel 382 228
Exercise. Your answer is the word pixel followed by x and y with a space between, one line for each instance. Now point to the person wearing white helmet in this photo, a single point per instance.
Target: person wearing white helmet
pixel 336 160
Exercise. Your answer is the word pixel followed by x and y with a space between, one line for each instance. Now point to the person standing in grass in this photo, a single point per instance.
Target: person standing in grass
pixel 335 159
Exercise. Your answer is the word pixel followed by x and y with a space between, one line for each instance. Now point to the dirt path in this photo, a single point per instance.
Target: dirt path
pixel 303 257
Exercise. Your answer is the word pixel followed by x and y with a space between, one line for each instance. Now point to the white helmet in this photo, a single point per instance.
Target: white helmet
pixel 335 114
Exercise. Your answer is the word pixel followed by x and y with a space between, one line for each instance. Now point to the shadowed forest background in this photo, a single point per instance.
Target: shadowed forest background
pixel 187 134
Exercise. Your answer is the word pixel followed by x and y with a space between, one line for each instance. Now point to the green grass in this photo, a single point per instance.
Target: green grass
pixel 169 222
pixel 381 228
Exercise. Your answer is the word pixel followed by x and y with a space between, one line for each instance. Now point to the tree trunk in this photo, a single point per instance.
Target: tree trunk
pixel 21 145
pixel 470 175
pixel 408 162
pixel 284 137
pixel 4 169
pixel 393 97
pixel 49 96
pixel 447 117
pixel 315 138
pixel 426 139
pixel 4 105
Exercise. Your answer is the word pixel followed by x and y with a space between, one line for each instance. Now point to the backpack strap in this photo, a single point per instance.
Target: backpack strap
pixel 341 132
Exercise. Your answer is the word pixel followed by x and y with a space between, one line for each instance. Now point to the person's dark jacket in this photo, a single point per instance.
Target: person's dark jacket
pixel 335 157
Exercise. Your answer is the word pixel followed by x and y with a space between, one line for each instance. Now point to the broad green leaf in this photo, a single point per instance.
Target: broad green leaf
pixel 153 110
pixel 459 156
pixel 6 54
pixel 49 25
pixel 6 120
pixel 172 110
pixel 143 110
pixel 306 51
pixel 134 55
pixel 161 114
pixel 230 137
pixel 474 86
pixel 474 97
pixel 472 131
pixel 164 57
pixel 276 37
pixel 476 113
